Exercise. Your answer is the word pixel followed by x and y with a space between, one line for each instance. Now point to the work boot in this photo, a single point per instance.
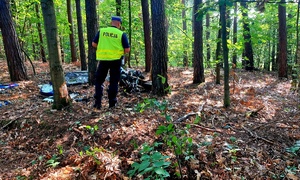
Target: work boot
pixel 112 103
pixel 97 106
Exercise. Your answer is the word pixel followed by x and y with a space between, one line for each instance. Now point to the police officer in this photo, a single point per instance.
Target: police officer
pixel 111 44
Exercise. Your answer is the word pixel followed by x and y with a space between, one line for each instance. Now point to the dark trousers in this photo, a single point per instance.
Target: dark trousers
pixel 114 68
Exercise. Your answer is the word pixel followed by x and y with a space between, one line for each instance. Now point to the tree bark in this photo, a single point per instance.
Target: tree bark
pixel 92 28
pixel 118 7
pixel 282 53
pixel 61 95
pixel 147 35
pixel 39 28
pixel 160 48
pixel 80 36
pixel 198 76
pixel 248 60
pixel 71 35
pixel 184 28
pixel 207 24
pixel 15 57
pixel 219 57
pixel 130 32
pixel 234 41
pixel 225 53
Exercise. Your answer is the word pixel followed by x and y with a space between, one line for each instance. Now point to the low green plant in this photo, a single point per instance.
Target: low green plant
pixel 153 164
pixel 294 149
pixel 92 152
pixel 53 162
pixel 60 149
pixel 92 129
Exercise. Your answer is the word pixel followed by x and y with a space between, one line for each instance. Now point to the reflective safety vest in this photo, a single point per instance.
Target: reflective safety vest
pixel 110 44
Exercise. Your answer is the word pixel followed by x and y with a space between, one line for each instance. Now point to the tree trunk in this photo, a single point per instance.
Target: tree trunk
pixel 225 54
pixel 184 28
pixel 92 28
pixel 282 53
pixel 61 95
pixel 297 54
pixel 71 35
pixel 160 48
pixel 147 35
pixel 219 55
pixel 130 32
pixel 273 54
pixel 118 7
pixel 207 24
pixel 39 28
pixel 198 76
pixel 234 54
pixel 15 57
pixel 248 60
pixel 80 36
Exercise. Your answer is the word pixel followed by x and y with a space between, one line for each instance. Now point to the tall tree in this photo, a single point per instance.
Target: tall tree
pixel 184 28
pixel 92 28
pixel 147 35
pixel 248 60
pixel 207 25
pixel 219 57
pixel 61 95
pixel 225 52
pixel 39 28
pixel 13 52
pixel 80 36
pixel 130 31
pixel 297 54
pixel 234 41
pixel 198 76
pixel 71 34
pixel 118 7
pixel 160 48
pixel 282 53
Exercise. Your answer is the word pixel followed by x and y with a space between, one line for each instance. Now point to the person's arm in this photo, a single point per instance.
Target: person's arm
pixel 94 44
pixel 95 40
pixel 125 43
pixel 126 50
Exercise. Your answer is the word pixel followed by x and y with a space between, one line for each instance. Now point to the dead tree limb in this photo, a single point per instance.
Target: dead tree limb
pixel 257 137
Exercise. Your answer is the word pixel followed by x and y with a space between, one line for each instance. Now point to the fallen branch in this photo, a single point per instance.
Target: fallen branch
pixel 190 114
pixel 185 117
pixel 205 128
pixel 258 137
pixel 10 122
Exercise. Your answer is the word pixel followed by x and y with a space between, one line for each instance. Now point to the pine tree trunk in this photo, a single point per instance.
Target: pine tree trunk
pixel 147 35
pixel 92 28
pixel 282 53
pixel 15 57
pixel 39 28
pixel 248 60
pixel 219 56
pixel 160 48
pixel 61 95
pixel 207 24
pixel 130 33
pixel 71 35
pixel 234 41
pixel 198 76
pixel 118 7
pixel 184 28
pixel 225 54
pixel 80 36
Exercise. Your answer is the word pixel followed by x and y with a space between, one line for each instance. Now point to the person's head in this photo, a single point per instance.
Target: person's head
pixel 116 21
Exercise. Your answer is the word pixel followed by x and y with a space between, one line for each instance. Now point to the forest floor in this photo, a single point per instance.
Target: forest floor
pixel 257 137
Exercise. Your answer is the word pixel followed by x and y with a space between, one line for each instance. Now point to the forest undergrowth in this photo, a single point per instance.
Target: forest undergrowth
pixel 185 135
